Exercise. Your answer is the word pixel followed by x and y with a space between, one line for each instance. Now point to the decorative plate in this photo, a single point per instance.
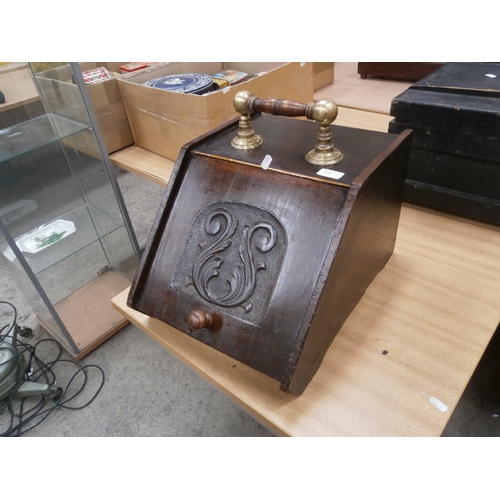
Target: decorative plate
pixel 184 83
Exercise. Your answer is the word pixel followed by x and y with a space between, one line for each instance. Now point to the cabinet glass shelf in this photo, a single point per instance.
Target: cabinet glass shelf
pixel 58 239
pixel 65 234
pixel 36 133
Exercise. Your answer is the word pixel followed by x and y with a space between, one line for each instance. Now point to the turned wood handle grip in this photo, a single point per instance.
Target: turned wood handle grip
pixel 323 111
pixel 282 107
pixel 198 320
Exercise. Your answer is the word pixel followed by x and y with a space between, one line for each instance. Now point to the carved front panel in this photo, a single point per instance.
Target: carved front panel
pixel 231 259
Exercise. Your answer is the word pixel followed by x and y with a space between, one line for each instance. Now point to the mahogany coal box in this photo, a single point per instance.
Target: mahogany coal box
pixel 258 255
pixel 454 162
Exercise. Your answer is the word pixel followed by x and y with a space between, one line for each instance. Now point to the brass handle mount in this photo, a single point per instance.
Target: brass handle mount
pixel 323 111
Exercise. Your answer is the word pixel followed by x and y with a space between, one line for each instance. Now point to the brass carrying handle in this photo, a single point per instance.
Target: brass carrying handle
pixel 323 111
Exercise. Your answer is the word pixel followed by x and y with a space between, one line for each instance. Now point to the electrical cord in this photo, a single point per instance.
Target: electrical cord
pixel 20 415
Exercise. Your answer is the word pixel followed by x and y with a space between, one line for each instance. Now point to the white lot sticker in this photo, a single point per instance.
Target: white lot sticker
pixel 438 404
pixel 332 174
pixel 266 162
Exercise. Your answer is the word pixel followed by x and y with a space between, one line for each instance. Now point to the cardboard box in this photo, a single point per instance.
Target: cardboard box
pixel 63 98
pixel 109 109
pixel 162 121
pixel 323 74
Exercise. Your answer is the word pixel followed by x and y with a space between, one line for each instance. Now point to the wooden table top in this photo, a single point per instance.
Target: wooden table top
pixel 402 360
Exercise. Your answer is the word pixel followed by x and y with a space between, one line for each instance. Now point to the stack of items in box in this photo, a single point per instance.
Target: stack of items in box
pixel 228 77
pixel 133 66
pixel 163 122
pixel 199 83
pixel 102 73
pixel 97 75
pixel 183 83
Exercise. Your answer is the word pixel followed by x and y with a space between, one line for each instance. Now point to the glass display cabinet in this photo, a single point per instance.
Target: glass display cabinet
pixel 65 232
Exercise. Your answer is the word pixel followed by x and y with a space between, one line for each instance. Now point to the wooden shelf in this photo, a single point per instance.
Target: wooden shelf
pixel 139 161
pixel 367 120
pixel 89 315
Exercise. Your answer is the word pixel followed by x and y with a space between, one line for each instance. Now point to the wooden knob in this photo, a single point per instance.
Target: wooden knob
pixel 198 320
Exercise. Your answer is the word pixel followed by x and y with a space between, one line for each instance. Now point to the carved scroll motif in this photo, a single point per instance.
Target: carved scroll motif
pixel 240 250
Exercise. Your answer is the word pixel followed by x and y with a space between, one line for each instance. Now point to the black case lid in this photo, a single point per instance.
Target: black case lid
pixel 481 79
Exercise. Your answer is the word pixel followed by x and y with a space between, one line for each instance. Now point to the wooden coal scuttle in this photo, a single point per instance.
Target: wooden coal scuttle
pixel 261 253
